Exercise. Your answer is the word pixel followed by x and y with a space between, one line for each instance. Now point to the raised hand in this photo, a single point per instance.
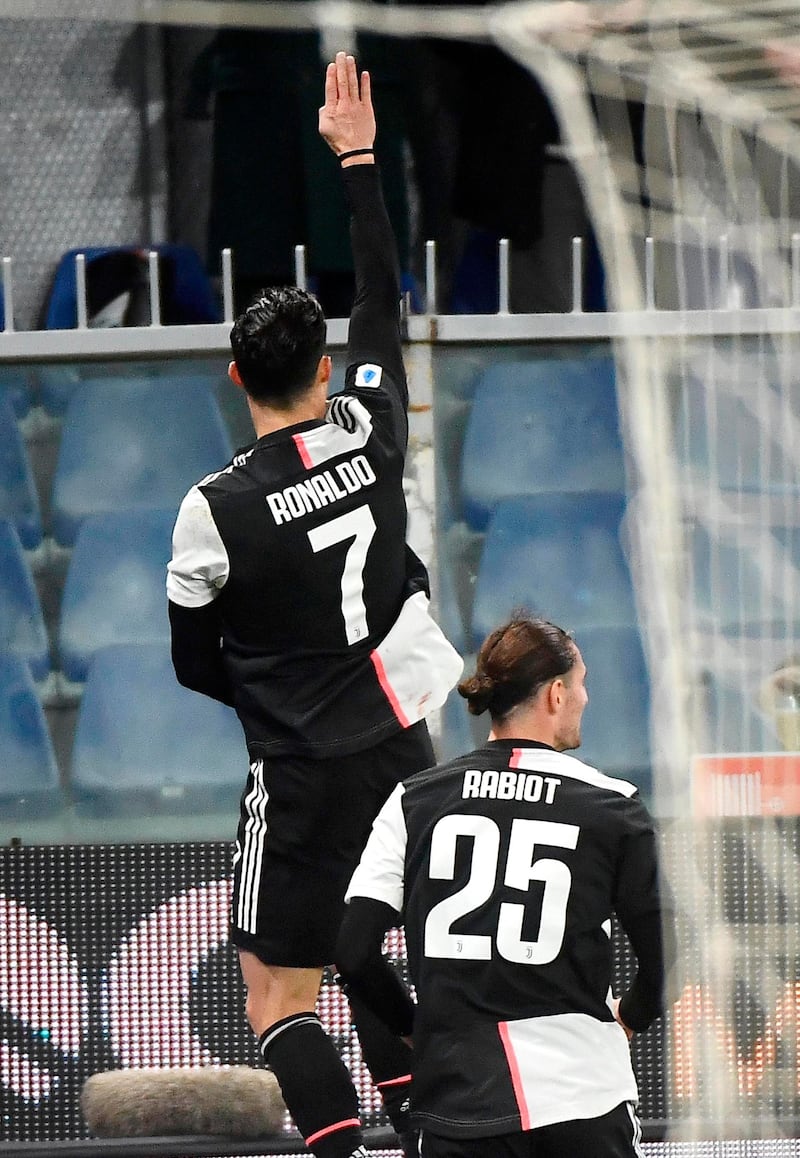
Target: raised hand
pixel 347 119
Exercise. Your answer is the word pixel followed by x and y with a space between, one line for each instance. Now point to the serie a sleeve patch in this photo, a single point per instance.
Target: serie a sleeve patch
pixel 369 375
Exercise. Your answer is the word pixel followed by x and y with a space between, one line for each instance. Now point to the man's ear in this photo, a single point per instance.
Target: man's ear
pixel 234 375
pixel 555 694
pixel 325 369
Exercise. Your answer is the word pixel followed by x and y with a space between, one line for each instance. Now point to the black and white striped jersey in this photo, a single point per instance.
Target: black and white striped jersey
pixel 507 865
pixel 322 608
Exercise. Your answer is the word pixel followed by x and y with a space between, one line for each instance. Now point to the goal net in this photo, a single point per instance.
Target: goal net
pixel 682 120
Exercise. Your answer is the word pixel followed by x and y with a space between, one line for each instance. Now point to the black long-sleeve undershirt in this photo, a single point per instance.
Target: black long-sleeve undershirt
pixel 374 332
pixel 365 970
pixel 197 651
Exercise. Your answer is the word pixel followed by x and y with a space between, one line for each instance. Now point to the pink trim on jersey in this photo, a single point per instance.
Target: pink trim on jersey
pixel 516 1076
pixel 302 450
pixel 394 1082
pixel 346 1124
pixel 388 690
pixel 516 756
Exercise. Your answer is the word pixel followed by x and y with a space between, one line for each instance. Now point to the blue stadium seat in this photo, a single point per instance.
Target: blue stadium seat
pixel 115 586
pixel 19 499
pixel 746 591
pixel 29 784
pixel 58 383
pixel 543 425
pixel 134 444
pixel 143 744
pixel 615 730
pixel 558 556
pixel 721 437
pixel 22 629
pixel 194 298
pixel 15 383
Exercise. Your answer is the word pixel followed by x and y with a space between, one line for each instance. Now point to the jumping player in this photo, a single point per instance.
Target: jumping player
pixel 294 597
pixel 506 866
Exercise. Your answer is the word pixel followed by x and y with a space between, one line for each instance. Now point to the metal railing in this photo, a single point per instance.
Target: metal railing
pixel 432 327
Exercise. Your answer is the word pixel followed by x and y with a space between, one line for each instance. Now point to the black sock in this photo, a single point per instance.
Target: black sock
pixel 388 1059
pixel 315 1083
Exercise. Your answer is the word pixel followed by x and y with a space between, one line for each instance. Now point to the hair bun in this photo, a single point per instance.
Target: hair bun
pixel 478 691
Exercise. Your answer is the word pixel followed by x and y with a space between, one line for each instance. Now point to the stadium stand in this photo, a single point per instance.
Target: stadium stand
pixel 614 730
pixel 746 593
pixel 22 627
pixel 725 432
pixel 134 444
pixel 114 590
pixel 186 292
pixel 29 783
pixel 558 555
pixel 541 425
pixel 19 498
pixel 15 384
pixel 145 745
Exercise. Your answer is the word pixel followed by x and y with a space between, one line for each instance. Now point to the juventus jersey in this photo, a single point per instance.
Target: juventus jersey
pixel 323 608
pixel 506 866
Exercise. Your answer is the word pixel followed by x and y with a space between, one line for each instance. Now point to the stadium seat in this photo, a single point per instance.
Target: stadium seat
pixel 15 383
pixel 115 586
pixel 724 441
pixel 746 590
pixel 190 296
pixel 22 629
pixel 29 784
pixel 129 445
pixel 19 499
pixel 543 425
pixel 58 383
pixel 558 556
pixel 615 729
pixel 144 744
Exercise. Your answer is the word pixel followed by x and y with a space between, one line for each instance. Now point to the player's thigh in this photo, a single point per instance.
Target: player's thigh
pixel 501 1146
pixel 303 826
pixel 617 1134
pixel 361 784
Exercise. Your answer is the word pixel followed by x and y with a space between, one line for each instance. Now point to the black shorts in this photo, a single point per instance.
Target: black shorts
pixel 302 828
pixel 617 1134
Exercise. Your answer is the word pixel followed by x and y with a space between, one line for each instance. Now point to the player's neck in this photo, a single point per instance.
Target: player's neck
pixel 267 420
pixel 525 725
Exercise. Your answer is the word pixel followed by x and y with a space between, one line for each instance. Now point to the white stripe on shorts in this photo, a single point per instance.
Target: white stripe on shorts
pixel 637 1129
pixel 255 833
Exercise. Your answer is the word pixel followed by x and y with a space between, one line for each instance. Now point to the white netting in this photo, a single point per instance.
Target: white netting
pixel 694 202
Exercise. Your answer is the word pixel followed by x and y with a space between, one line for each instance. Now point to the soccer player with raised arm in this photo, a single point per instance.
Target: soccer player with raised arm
pixel 506 866
pixel 294 597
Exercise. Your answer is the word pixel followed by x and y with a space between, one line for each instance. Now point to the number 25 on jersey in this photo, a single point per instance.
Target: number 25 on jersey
pixel 522 866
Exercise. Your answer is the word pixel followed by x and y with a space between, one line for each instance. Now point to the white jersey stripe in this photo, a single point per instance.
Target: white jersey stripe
pixel 560 764
pixel 568 1059
pixel 415 664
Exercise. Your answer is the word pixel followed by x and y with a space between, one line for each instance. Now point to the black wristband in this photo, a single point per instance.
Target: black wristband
pixel 355 153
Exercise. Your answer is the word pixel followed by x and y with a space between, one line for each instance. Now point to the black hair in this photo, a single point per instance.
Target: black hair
pixel 514 661
pixel 277 344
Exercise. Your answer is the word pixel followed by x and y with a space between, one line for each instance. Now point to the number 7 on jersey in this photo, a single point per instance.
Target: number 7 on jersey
pixel 359 526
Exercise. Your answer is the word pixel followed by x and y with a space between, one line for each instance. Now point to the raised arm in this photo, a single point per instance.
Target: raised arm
pixel 347 123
